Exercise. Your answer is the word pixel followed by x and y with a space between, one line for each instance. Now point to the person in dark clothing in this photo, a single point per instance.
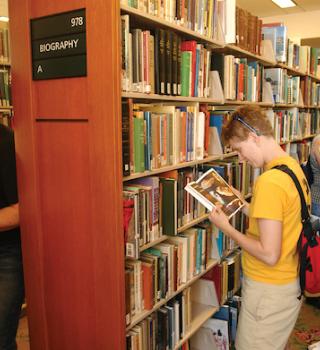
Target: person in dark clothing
pixel 11 271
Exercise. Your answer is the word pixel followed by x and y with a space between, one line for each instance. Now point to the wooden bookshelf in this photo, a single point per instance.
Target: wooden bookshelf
pixel 73 247
pixel 138 318
pixel 193 223
pixel 154 21
pixel 239 52
pixel 153 243
pixel 176 99
pixel 179 166
pixel 196 323
pixel 70 206
pixel 240 103
pixel 290 70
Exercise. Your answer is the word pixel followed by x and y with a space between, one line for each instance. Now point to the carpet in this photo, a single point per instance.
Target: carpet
pixel 307 328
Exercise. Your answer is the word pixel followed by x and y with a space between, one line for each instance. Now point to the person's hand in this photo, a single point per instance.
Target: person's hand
pixel 237 192
pixel 220 219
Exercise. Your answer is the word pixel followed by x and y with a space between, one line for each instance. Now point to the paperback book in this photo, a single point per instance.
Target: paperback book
pixel 211 189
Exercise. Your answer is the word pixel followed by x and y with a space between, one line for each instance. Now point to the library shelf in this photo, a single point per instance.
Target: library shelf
pixel 153 243
pixel 192 223
pixel 290 70
pixel 234 49
pixel 196 323
pixel 6 109
pixel 317 79
pixel 298 139
pixel 177 99
pixel 145 313
pixel 178 166
pixel 156 21
pixel 310 107
pixel 287 105
pixel 239 103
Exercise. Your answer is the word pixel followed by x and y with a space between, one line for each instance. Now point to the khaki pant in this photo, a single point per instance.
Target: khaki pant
pixel 268 315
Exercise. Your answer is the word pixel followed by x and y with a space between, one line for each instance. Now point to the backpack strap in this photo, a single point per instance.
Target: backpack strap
pixel 305 216
pixel 307 228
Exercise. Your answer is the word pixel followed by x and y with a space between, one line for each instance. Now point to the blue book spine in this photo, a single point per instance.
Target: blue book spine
pixel 220 243
pixel 281 43
pixel 217 121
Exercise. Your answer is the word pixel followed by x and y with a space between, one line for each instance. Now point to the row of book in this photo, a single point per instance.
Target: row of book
pixel 248 31
pixel 301 58
pixel 219 332
pixel 298 150
pixel 285 88
pixel 310 91
pixel 245 81
pixel 292 89
pixel 157 205
pixel 163 329
pixel 241 80
pixel 6 119
pixel 170 323
pixel 154 206
pixel 4 46
pixel 205 17
pixel 165 267
pixel 293 124
pixel 5 88
pixel 160 62
pixel 158 135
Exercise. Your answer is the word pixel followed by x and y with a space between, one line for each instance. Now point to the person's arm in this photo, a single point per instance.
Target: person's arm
pixel 9 217
pixel 267 248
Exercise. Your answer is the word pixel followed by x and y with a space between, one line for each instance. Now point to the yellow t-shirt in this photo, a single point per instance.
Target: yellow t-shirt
pixel 275 197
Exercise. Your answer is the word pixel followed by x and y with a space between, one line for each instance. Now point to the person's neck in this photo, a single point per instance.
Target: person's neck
pixel 272 150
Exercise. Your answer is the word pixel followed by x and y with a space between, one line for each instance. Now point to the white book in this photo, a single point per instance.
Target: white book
pixel 199 137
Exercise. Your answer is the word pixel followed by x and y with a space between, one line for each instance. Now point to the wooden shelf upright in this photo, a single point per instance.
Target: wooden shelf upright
pixel 68 142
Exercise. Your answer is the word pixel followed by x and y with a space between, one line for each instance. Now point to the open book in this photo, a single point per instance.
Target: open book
pixel 211 189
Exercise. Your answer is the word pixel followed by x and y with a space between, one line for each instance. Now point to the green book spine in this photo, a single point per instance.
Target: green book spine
pixel 138 146
pixel 186 57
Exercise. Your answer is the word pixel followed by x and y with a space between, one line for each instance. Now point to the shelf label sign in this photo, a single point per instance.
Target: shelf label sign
pixel 59 45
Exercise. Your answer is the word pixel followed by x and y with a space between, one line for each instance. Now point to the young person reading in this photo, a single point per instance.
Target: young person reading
pixel 270 291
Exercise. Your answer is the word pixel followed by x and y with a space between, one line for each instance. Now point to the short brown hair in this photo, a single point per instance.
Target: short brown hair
pixel 254 116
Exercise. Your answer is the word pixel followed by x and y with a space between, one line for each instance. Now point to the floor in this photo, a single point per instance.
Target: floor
pixel 23 334
pixel 306 332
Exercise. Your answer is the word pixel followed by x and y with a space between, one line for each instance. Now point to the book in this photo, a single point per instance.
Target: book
pixel 211 189
pixel 220 332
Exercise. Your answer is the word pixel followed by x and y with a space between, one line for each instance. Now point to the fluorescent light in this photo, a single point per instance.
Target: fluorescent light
pixel 284 3
pixel 4 19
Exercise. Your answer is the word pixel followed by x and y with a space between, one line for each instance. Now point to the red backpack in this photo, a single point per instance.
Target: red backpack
pixel 308 245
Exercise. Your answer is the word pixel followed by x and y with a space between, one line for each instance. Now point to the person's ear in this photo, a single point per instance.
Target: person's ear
pixel 254 137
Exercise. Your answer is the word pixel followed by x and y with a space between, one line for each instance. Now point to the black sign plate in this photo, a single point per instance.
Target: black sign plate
pixel 59 45
pixel 60 67
pixel 67 45
pixel 58 24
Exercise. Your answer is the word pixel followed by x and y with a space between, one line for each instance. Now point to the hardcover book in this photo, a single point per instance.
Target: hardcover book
pixel 211 189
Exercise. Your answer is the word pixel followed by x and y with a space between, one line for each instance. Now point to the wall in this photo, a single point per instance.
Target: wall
pixel 300 25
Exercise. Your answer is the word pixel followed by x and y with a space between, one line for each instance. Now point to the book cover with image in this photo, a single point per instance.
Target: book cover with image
pixel 211 189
